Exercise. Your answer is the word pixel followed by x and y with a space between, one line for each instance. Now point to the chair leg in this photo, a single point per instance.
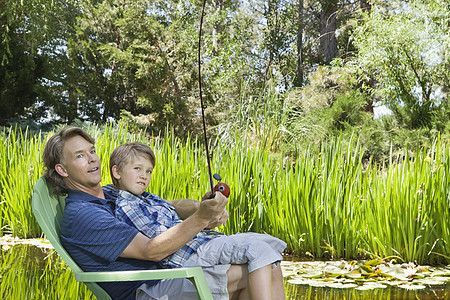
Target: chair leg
pixel 202 287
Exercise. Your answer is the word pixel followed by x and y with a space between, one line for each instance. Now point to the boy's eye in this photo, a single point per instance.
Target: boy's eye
pixel 93 151
pixel 149 172
pixel 137 168
pixel 79 155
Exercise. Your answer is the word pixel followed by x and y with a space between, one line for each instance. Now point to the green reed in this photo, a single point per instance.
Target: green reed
pixel 327 205
pixel 20 167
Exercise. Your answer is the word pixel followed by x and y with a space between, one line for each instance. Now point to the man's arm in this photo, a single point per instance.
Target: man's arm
pixel 185 207
pixel 168 242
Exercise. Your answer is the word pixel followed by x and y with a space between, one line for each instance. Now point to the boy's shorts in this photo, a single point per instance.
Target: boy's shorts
pixel 256 250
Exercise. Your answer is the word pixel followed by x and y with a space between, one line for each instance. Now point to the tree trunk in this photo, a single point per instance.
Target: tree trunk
pixel 298 81
pixel 72 107
pixel 365 6
pixel 328 44
pixel 216 28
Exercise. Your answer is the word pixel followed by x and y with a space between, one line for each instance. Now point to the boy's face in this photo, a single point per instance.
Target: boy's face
pixel 135 175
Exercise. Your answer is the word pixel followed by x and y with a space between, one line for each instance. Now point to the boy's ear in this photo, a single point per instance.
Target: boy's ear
pixel 61 170
pixel 115 172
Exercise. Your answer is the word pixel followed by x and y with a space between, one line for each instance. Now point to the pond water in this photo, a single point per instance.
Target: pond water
pixel 31 272
pixel 324 293
pixel 36 272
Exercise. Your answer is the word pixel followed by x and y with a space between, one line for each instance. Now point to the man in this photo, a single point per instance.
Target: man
pixel 98 241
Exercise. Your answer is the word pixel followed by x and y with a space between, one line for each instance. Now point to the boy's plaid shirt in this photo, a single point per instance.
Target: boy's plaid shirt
pixel 151 215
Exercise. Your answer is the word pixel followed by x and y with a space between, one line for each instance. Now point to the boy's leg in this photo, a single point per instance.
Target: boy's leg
pixel 238 282
pixel 277 284
pixel 260 283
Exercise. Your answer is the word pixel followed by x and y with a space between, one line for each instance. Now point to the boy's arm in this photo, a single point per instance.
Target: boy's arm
pixel 166 243
pixel 187 207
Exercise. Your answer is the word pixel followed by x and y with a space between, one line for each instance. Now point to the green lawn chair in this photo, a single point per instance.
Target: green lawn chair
pixel 48 210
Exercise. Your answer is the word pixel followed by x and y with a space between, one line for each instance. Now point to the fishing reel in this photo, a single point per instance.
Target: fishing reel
pixel 221 187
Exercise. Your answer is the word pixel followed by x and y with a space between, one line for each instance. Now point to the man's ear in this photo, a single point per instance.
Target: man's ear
pixel 115 172
pixel 61 170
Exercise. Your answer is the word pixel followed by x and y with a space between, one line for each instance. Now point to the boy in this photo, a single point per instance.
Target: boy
pixel 131 166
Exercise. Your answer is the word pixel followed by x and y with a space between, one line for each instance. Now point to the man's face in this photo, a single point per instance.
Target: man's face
pixel 81 166
pixel 135 175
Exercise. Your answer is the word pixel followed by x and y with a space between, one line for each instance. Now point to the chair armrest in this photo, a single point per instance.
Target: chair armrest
pixel 138 275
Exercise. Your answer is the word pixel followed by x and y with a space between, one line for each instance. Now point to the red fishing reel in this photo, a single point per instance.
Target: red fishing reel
pixel 221 187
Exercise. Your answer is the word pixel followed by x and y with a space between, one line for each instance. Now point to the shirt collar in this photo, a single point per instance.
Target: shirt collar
pixel 75 195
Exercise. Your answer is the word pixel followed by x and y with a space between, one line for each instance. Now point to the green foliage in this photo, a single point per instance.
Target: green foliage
pixel 404 46
pixel 20 167
pixel 32 36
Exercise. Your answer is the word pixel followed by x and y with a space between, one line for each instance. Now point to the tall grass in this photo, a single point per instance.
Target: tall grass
pixel 326 205
pixel 20 167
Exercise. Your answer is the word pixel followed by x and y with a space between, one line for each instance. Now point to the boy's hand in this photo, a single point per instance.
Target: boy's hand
pixel 222 221
pixel 212 208
pixel 208 195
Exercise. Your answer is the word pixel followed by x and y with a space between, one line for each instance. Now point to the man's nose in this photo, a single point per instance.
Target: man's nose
pixel 91 157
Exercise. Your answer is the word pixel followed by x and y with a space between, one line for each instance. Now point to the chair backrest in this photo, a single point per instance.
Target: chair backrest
pixel 48 210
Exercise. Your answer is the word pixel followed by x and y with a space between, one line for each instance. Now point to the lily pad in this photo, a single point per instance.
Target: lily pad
pixel 412 286
pixel 371 286
pixel 342 274
pixel 431 281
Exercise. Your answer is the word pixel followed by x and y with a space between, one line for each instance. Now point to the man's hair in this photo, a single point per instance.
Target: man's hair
pixel 125 153
pixel 53 155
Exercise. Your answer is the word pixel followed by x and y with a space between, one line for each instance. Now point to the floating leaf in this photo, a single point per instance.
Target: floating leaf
pixel 430 281
pixel 412 286
pixel 320 275
pixel 352 275
pixel 373 262
pixel 395 282
pixel 371 286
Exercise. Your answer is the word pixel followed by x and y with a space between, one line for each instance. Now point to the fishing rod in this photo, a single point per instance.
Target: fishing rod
pixel 221 187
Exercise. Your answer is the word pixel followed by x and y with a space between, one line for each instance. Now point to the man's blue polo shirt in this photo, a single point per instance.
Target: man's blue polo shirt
pixel 95 239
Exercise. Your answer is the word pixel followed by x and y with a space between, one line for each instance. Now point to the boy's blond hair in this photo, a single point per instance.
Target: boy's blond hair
pixel 125 153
